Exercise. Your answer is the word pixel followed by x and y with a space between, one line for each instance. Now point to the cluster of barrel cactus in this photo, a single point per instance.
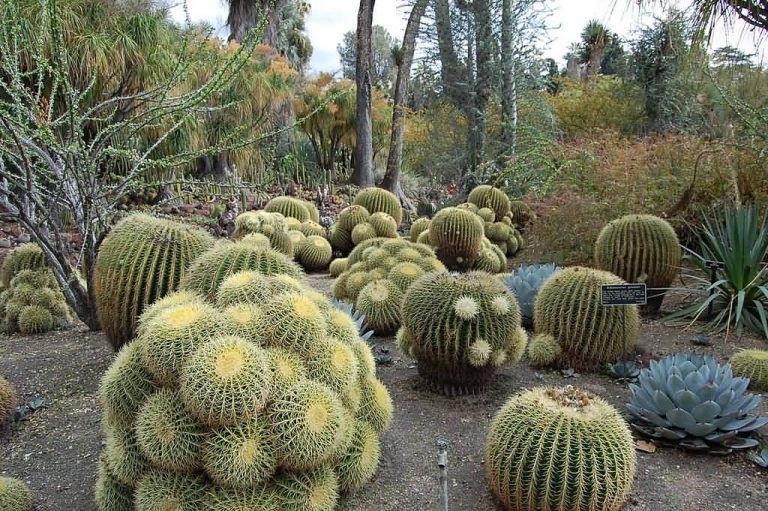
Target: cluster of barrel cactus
pixel 378 273
pixel 640 248
pixel 28 256
pixel 374 213
pixel 560 449
pixel 474 235
pixel 460 328
pixel 15 495
pixel 8 402
pixel 589 334
pixel 142 259
pixel 259 395
pixel 752 364
pixel 33 304
pixel 265 228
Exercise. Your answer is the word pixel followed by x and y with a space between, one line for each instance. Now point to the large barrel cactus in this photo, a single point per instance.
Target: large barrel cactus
pixel 457 236
pixel 486 196
pixel 752 364
pixel 460 328
pixel 24 257
pixel 525 283
pixel 377 200
pixel 640 248
pixel 696 403
pixel 289 207
pixel 551 449
pixel 142 259
pixel 590 334
pixel 202 414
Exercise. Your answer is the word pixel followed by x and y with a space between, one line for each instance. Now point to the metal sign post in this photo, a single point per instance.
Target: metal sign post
pixel 442 464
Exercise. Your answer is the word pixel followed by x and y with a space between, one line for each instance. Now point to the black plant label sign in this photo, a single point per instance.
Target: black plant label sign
pixel 624 294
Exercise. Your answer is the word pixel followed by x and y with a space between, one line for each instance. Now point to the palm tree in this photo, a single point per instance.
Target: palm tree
pixel 709 12
pixel 595 38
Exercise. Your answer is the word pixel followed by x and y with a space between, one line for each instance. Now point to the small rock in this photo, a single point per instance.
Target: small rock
pixel 5 243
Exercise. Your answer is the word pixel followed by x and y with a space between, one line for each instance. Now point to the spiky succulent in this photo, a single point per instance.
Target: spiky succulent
pixel 338 266
pixel 352 216
pixel 28 256
pixel 693 401
pixel 462 328
pixel 485 196
pixel 15 495
pixel 110 493
pixel 363 232
pixel 752 364
pixel 34 319
pixel 142 259
pixel 380 302
pixel 525 283
pixel 384 225
pixel 551 449
pixel 313 490
pixel 457 236
pixel 211 269
pixel 624 370
pixel 8 401
pixel 543 350
pixel 33 304
pixel 377 200
pixel 289 207
pixel 240 456
pixel 340 239
pixel 569 308
pixel 419 226
pixel 640 248
pixel 159 491
pixel 311 228
pixel 315 253
pixel 356 316
pixel 360 460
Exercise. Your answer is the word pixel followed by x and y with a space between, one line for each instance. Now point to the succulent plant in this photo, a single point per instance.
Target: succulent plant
pixel 240 456
pixel 405 274
pixel 377 200
pixel 110 493
pixel 142 259
pixel 380 301
pixel 338 266
pixel 289 207
pixel 543 350
pixel 551 449
pixel 462 327
pixel 521 213
pixel 418 227
pixel 590 334
pixel 164 490
pixel 457 236
pixel 485 196
pixel 693 401
pixel 384 225
pixel 760 457
pixel 356 316
pixel 125 386
pixel 212 267
pixel 15 495
pixel 313 490
pixel 624 370
pixel 640 248
pixel 123 455
pixel 359 462
pixel 28 256
pixel 8 401
pixel 33 304
pixel 525 283
pixel 375 404
pixel 363 232
pixel 311 228
pixel 340 239
pixel 352 216
pixel 356 255
pixel 752 364
pixel 315 253
pixel 34 319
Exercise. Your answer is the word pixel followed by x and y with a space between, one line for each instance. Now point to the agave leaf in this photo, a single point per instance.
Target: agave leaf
pixel 758 423
pixel 719 436
pixel 662 402
pixel 741 443
pixel 706 412
pixel 671 433
pixel 675 384
pixel 681 418
pixel 641 398
pixel 707 392
pixel 694 381
pixel 725 398
pixel 739 424
pixel 701 429
pixel 686 399
pixel 648 416
pixel 686 368
pixel 694 444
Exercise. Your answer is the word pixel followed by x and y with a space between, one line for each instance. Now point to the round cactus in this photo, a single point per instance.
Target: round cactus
pixel 15 495
pixel 334 364
pixel 640 248
pixel 405 274
pixel 457 235
pixel 590 335
pixel 380 302
pixel 521 213
pixel 123 455
pixel 211 268
pixel 340 239
pixel 375 404
pixel 752 364
pixel 487 214
pixel 359 462
pixel 357 253
pixel 363 232
pixel 384 225
pixel 485 196
pixel 424 238
pixel 468 206
pixel 142 259
pixel 338 266
pixel 125 386
pixel 240 456
pixel 315 253
pixel 352 216
pixel 34 319
pixel 543 350
pixel 110 493
pixel 310 228
pixel 418 227
pixel 288 207
pixel 314 213
pixel 296 238
pixel 293 224
pixel 8 401
pixel 292 321
pixel 560 450
pixel 463 327
pixel 244 287
pixel 377 200
pixel 28 256
pixel 159 491
pixel 314 490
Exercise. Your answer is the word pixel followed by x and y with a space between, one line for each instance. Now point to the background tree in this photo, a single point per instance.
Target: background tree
pixel 595 40
pixel 384 68
pixel 363 175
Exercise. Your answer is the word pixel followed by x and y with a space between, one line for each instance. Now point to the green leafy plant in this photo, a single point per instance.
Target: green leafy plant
pixel 737 299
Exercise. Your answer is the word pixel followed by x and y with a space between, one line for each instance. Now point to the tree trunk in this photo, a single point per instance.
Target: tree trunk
pixel 509 85
pixel 391 180
pixel 245 15
pixel 222 171
pixel 363 174
pixel 483 87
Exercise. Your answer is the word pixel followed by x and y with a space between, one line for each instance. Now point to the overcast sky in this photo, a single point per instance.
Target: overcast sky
pixel 330 19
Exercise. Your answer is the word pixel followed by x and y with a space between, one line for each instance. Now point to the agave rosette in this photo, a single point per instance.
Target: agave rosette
pixel 356 316
pixel 696 402
pixel 525 283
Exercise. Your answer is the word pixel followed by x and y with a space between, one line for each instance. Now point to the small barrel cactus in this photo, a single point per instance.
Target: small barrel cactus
pixel 377 200
pixel 380 302
pixel 418 227
pixel 351 216
pixel 315 253
pixel 33 304
pixel 457 236
pixel 485 196
pixel 340 239
pixel 752 364
pixel 590 334
pixel 543 350
pixel 28 256
pixel 310 228
pixel 640 248
pixel 338 266
pixel 460 328
pixel 142 259
pixel 289 207
pixel 693 401
pixel 363 232
pixel 551 449
pixel 8 401
pixel 15 495
pixel 525 283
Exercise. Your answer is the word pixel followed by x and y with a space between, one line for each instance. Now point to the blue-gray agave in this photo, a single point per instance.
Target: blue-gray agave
pixel 525 282
pixel 696 402
pixel 356 316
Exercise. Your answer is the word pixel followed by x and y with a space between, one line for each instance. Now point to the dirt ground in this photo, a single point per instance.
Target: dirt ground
pixel 56 449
